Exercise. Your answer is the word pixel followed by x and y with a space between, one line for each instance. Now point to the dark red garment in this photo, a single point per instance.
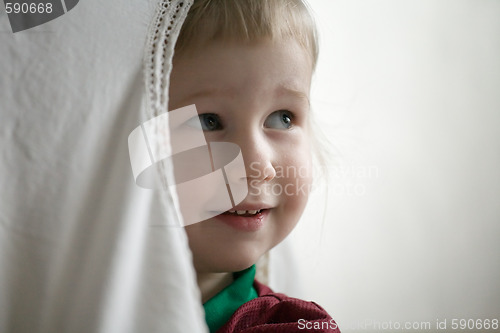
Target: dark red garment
pixel 274 312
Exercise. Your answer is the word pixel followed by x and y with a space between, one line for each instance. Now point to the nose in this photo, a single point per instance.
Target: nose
pixel 258 155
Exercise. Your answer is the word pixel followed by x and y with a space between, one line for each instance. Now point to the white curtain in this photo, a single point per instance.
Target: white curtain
pixel 82 247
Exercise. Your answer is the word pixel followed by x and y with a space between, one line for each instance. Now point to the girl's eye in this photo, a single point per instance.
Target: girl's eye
pixel 208 122
pixel 281 119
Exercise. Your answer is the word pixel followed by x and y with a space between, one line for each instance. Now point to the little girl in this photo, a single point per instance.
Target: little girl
pixel 247 66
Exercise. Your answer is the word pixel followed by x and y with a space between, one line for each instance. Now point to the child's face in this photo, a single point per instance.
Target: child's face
pixel 257 96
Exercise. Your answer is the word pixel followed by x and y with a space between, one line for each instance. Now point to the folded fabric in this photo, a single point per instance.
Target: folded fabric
pixel 275 312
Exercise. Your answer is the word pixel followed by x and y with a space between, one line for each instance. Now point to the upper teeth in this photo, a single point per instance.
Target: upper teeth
pixel 243 212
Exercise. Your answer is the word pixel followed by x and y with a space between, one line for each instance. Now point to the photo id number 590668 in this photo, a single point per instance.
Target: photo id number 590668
pixel 28 8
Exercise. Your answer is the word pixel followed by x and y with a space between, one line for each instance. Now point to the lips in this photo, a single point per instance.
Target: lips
pixel 250 220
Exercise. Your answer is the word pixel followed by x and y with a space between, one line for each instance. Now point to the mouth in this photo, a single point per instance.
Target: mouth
pixel 245 220
pixel 243 213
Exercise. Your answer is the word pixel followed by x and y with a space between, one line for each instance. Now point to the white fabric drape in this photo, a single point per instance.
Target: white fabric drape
pixel 82 248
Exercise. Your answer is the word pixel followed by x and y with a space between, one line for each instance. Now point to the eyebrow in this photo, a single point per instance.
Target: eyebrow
pixel 207 93
pixel 283 90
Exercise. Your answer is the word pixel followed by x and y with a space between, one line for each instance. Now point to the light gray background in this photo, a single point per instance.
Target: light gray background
pixel 408 92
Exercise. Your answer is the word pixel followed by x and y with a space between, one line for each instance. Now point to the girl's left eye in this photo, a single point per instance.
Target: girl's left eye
pixel 281 119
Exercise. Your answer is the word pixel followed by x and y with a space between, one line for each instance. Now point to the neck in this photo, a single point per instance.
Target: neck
pixel 212 283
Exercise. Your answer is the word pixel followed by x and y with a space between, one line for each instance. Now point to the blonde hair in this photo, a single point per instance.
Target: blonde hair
pixel 248 20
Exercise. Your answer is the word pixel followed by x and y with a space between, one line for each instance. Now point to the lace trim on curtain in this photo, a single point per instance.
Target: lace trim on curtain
pixel 170 16
pixel 162 36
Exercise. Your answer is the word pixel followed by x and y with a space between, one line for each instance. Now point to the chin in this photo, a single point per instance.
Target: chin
pixel 234 261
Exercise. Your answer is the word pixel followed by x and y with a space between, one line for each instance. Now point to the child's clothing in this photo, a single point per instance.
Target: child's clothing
pixel 248 306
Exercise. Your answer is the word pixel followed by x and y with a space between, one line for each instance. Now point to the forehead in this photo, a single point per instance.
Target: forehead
pixel 249 20
pixel 232 68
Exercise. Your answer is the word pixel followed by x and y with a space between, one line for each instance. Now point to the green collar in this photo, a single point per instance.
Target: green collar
pixel 221 307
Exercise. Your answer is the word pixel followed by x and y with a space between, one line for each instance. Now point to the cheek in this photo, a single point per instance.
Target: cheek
pixel 296 182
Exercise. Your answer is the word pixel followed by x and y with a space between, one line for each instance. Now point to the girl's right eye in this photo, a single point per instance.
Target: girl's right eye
pixel 208 121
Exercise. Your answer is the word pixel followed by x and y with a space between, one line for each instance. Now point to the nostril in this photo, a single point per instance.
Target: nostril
pixel 269 173
pixel 261 171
